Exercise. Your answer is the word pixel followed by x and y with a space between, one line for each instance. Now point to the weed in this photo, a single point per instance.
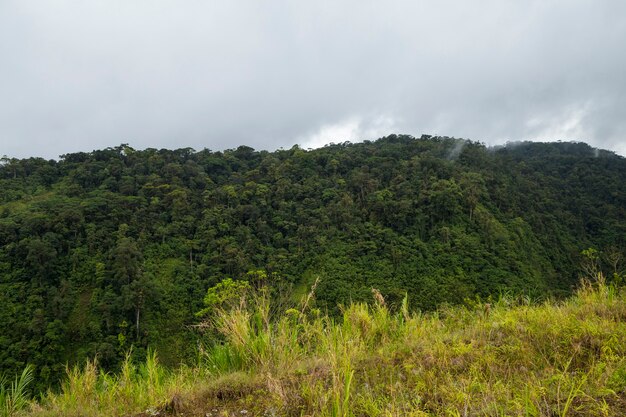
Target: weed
pixel 13 396
pixel 508 357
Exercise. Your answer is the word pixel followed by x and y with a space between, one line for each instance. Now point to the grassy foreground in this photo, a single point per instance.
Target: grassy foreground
pixel 507 358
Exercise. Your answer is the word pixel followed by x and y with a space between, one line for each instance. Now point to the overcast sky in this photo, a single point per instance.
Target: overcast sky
pixel 82 75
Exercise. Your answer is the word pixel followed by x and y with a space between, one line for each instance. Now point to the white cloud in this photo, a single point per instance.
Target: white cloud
pixel 218 74
pixel 353 129
pixel 567 124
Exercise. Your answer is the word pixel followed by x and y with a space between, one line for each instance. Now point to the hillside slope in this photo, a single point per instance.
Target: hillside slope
pixel 115 248
pixel 509 358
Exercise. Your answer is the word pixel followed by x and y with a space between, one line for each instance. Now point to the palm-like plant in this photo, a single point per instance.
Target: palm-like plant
pixel 13 395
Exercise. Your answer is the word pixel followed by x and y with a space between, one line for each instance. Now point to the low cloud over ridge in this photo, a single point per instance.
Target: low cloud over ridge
pixel 79 76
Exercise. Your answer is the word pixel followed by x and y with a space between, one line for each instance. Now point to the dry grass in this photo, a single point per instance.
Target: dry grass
pixel 509 358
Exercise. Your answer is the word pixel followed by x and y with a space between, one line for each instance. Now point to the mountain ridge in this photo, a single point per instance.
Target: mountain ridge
pixel 117 247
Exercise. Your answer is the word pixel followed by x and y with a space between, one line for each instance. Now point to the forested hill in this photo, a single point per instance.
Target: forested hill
pixel 117 247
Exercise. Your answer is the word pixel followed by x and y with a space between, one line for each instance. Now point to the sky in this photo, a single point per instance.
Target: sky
pixel 82 75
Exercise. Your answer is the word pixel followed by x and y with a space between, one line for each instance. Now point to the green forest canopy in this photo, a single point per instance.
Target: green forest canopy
pixel 115 248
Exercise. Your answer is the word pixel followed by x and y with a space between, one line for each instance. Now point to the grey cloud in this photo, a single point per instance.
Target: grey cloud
pixel 85 75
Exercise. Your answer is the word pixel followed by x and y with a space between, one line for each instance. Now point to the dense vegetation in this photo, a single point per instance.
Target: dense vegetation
pixel 506 358
pixel 116 248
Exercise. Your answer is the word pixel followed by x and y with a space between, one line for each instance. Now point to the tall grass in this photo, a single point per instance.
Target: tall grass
pixel 13 396
pixel 147 387
pixel 507 358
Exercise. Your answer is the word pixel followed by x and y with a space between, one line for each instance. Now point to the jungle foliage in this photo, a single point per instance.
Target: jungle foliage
pixel 118 247
pixel 509 357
